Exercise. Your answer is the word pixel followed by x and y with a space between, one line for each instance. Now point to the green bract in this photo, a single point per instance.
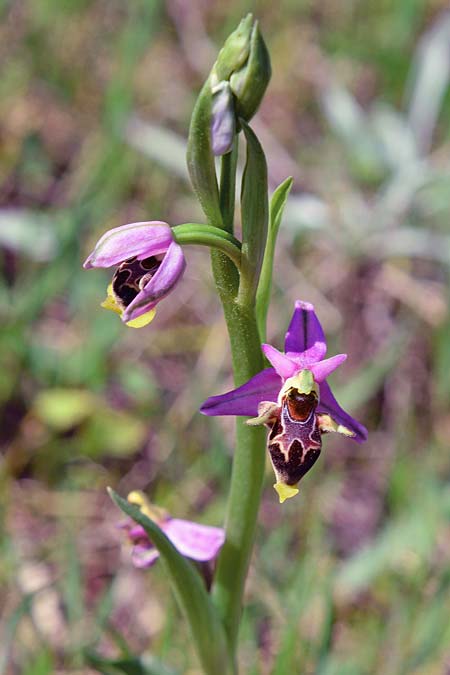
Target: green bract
pixel 254 212
pixel 276 209
pixel 234 53
pixel 244 61
pixel 250 82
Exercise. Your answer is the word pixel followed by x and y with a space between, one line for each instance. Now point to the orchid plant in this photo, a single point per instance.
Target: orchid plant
pixel 291 398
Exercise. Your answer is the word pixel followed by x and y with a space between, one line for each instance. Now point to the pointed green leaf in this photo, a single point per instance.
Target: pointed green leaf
pixel 190 591
pixel 250 82
pixel 11 624
pixel 254 212
pixel 235 51
pixel 277 204
pixel 200 158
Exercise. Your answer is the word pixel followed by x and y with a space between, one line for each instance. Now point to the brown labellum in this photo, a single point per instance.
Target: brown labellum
pixel 131 277
pixel 294 439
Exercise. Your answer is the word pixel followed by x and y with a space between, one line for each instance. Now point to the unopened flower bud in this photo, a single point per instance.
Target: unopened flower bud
pixel 234 53
pixel 249 83
pixel 223 119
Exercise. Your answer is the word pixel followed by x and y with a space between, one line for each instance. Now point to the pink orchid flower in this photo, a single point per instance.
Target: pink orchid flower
pixel 197 542
pixel 149 265
pixel 293 399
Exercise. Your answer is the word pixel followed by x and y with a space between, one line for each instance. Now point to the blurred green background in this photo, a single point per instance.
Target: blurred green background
pixel 353 576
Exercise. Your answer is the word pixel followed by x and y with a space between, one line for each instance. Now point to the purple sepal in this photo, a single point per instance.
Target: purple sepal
pixel 329 406
pixel 245 399
pixel 140 240
pixel 195 541
pixel 305 332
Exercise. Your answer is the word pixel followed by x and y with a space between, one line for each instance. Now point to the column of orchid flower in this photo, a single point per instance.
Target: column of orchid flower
pixel 292 398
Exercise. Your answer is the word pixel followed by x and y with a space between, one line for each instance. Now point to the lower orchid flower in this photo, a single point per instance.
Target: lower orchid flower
pixel 150 263
pixel 197 542
pixel 294 400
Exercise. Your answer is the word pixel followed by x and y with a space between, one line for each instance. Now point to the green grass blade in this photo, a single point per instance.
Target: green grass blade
pixel 277 204
pixel 254 213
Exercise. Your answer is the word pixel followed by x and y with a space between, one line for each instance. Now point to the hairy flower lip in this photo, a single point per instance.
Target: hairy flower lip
pixel 161 284
pixel 139 241
pixel 305 347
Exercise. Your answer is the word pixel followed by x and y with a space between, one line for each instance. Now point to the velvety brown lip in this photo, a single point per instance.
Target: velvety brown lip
pixel 301 406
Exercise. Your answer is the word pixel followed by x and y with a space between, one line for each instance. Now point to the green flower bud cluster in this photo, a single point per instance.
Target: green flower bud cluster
pixel 238 81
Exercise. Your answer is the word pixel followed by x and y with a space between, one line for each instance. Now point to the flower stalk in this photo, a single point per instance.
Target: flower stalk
pixel 246 478
pixel 207 235
pixel 236 287
pixel 249 454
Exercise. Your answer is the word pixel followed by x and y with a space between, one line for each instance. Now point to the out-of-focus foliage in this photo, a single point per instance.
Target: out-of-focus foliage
pixel 95 99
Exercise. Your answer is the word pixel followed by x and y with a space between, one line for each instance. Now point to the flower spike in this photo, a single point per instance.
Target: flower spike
pixel 294 401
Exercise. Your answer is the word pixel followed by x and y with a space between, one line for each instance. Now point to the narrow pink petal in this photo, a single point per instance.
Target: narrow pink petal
pixel 142 556
pixel 329 405
pixel 322 369
pixel 284 366
pixel 244 400
pixel 199 542
pixel 163 281
pixel 305 333
pixel 136 239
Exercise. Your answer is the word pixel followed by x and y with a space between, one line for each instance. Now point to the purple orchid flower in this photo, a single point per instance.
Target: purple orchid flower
pixel 293 399
pixel 150 264
pixel 194 541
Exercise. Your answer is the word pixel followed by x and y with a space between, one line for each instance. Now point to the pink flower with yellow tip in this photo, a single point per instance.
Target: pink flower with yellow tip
pixel 197 542
pixel 149 265
pixel 293 399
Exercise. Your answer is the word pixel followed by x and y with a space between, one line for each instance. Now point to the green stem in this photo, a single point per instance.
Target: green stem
pixel 208 235
pixel 227 193
pixel 249 456
pixel 225 274
pixel 246 478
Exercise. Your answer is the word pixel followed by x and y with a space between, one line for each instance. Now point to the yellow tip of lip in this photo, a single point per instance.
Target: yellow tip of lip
pixel 285 491
pixel 142 320
pixel 137 497
pixel 110 303
pixel 153 512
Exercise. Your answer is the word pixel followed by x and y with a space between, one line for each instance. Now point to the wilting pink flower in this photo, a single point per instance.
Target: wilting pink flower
pixel 149 264
pixel 293 399
pixel 195 541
